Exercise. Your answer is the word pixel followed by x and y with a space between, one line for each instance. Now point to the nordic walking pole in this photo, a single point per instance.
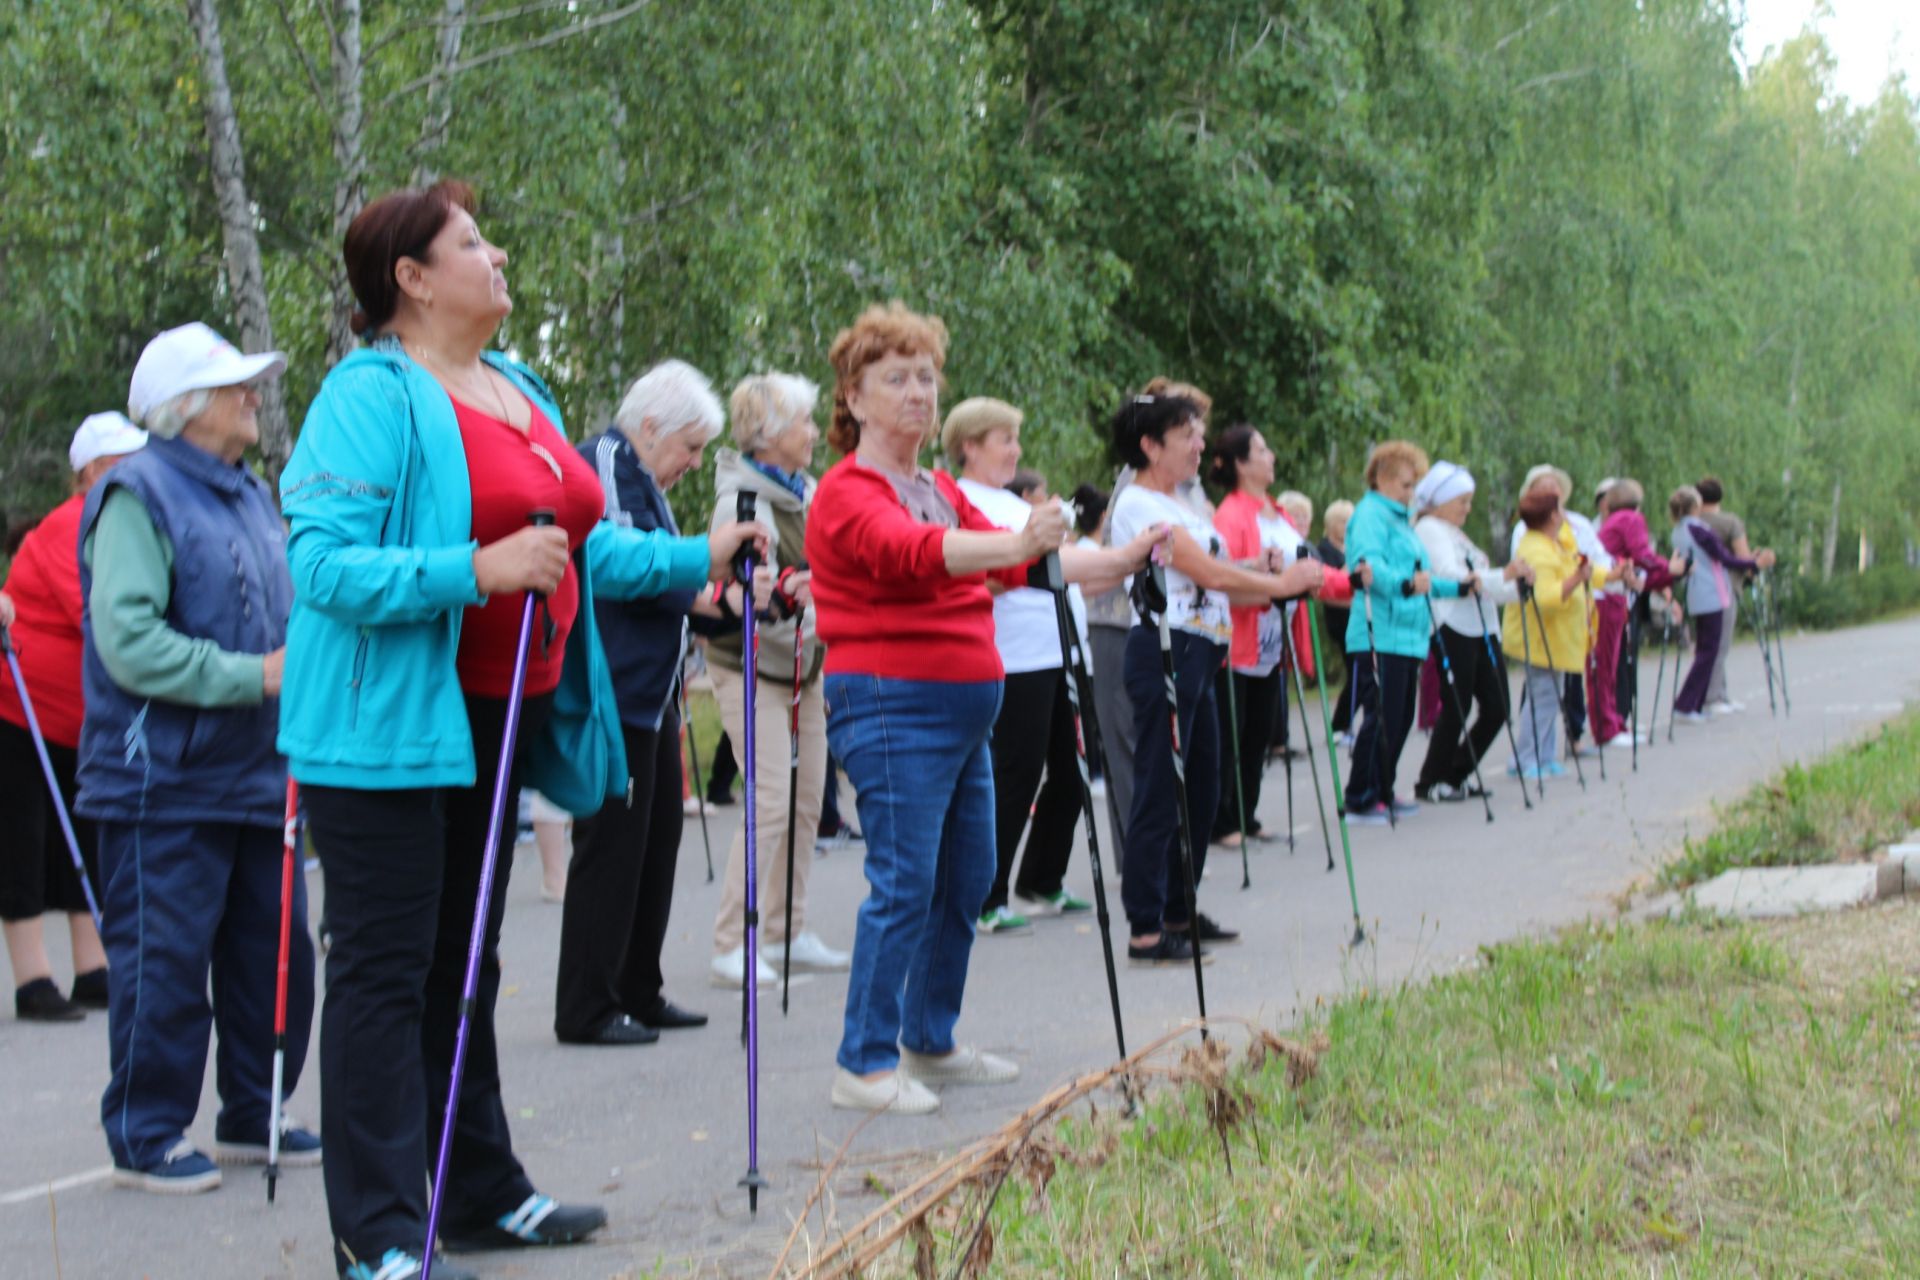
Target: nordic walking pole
pixel 1566 712
pixel 1588 673
pixel 1760 634
pixel 1045 574
pixel 1287 656
pixel 1239 792
pixel 1286 760
pixel 477 940
pixel 53 782
pixel 1333 767
pixel 1634 607
pixel 1499 666
pixel 1780 643
pixel 743 566
pixel 1659 676
pixel 1526 695
pixel 290 841
pixel 1379 696
pixel 1150 598
pixel 793 797
pixel 1459 707
pixel 693 757
pixel 1673 710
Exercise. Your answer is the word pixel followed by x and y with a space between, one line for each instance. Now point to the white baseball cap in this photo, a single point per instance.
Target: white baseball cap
pixel 104 435
pixel 192 358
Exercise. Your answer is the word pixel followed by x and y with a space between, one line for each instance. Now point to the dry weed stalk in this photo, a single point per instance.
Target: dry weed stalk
pixel 1026 1148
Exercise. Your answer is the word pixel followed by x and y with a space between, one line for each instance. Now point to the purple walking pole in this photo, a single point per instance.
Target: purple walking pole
pixel 750 989
pixel 53 783
pixel 477 941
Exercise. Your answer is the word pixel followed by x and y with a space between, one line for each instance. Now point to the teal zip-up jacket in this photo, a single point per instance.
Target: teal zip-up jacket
pixel 1381 533
pixel 379 509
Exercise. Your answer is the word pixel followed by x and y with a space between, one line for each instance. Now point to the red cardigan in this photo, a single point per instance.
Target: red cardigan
pixel 45 585
pixel 884 603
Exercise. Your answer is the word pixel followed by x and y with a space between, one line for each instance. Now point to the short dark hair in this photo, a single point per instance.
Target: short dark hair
pixel 1710 490
pixel 399 225
pixel 1089 505
pixel 1234 447
pixel 1149 417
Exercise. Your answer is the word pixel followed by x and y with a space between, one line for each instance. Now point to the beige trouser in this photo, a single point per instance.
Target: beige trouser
pixel 774 704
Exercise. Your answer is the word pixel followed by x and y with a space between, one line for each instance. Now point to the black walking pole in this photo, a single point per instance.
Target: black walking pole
pixel 1527 699
pixel 1045 574
pixel 1779 641
pixel 53 782
pixel 793 794
pixel 1635 606
pixel 1760 634
pixel 1286 717
pixel 693 758
pixel 1150 598
pixel 1239 792
pixel 1289 658
pixel 1379 697
pixel 1333 767
pixel 1566 710
pixel 477 939
pixel 744 503
pixel 1499 665
pixel 1460 710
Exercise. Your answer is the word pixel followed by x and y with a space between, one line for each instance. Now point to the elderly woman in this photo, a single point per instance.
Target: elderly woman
pixel 1034 732
pixel 1445 499
pixel 901 560
pixel 409 500
pixel 1163 437
pixel 1708 564
pixel 36 868
pixel 773 424
pixel 610 990
pixel 185 580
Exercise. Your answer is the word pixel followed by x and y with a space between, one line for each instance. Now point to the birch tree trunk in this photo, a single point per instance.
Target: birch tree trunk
pixel 350 164
pixel 433 133
pixel 246 279
pixel 1832 547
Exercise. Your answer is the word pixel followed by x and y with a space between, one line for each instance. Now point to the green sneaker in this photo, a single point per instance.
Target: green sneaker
pixel 1001 920
pixel 1062 903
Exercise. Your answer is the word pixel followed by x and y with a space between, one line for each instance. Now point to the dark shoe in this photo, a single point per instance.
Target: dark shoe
pixel 668 1016
pixel 1211 930
pixel 1172 948
pixel 539 1220
pixel 620 1029
pixel 183 1171
pixel 41 1001
pixel 400 1264
pixel 299 1146
pixel 90 989
pixel 720 799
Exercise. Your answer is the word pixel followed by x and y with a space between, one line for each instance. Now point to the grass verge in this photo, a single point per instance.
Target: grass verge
pixel 1842 807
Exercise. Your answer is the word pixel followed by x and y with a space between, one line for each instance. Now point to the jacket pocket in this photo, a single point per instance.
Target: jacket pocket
pixel 359 674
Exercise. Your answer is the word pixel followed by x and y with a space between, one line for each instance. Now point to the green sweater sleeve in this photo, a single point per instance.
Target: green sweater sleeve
pixel 132 567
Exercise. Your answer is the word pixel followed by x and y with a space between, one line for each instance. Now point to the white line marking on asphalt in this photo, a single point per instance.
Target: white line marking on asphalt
pixel 41 1191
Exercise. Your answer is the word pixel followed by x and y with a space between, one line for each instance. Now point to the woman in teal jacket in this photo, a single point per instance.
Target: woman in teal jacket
pixel 1388 632
pixel 408 501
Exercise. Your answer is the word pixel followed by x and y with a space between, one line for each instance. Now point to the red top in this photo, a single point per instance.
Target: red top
pixel 513 474
pixel 884 603
pixel 45 585
pixel 1624 534
pixel 1238 520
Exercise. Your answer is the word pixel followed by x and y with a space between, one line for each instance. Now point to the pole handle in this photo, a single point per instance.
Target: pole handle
pixel 1045 573
pixel 745 507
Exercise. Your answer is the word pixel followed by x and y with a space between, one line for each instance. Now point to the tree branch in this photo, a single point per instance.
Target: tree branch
pixel 525 46
pixel 306 63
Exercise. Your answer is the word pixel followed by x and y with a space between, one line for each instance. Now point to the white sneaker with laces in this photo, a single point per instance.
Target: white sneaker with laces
pixel 809 952
pixel 898 1093
pixel 1725 707
pixel 965 1065
pixel 730 970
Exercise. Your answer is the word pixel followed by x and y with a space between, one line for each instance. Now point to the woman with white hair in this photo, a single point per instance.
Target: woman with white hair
pixel 609 988
pixel 1444 498
pixel 772 422
pixel 184 573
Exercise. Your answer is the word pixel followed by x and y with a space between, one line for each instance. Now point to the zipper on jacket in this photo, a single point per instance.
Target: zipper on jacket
pixel 359 670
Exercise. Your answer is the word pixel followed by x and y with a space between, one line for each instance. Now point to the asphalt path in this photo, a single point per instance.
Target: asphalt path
pixel 657 1133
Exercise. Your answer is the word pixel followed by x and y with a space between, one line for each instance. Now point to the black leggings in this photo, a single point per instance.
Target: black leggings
pixel 1383 733
pixel 36 868
pixel 1259 702
pixel 1034 731
pixel 403 875
pixel 1453 752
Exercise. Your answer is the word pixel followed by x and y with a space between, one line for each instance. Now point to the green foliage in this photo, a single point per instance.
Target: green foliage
pixel 1844 806
pixel 1848 599
pixel 1510 231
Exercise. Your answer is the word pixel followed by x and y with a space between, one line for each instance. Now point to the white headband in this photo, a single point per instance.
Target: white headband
pixel 1441 485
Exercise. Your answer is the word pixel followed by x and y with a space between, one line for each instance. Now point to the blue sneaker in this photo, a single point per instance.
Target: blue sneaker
pixel 1374 815
pixel 400 1264
pixel 299 1147
pixel 183 1171
pixel 1556 770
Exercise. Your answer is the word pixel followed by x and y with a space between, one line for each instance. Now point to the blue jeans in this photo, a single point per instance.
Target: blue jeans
pixel 1153 890
pixel 184 901
pixel 916 753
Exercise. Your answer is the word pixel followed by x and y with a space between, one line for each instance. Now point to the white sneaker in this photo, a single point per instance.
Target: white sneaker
pixel 1725 707
pixel 730 969
pixel 965 1065
pixel 809 952
pixel 1690 717
pixel 1621 740
pixel 691 806
pixel 1099 788
pixel 898 1093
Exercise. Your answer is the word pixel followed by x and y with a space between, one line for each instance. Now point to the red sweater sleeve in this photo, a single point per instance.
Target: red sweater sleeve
pixel 973 520
pixel 872 530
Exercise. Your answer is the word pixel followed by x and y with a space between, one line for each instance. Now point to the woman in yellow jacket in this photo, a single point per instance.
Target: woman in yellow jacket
pixel 1563 582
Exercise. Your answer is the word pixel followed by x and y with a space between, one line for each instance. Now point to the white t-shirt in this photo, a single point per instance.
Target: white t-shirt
pixel 1203 613
pixel 1024 628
